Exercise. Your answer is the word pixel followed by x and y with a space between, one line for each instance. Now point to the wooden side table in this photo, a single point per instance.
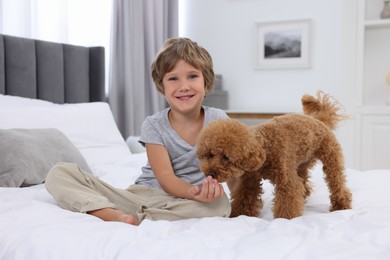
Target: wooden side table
pixel 251 118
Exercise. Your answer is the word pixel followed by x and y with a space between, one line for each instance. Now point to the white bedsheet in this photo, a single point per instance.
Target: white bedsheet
pixel 32 226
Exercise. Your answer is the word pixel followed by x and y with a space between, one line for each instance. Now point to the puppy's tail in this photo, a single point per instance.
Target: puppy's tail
pixel 324 108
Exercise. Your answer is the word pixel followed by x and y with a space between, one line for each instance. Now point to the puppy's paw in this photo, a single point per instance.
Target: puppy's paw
pixel 244 210
pixel 341 202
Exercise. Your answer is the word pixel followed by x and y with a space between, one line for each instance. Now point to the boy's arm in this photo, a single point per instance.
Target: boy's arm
pixel 161 165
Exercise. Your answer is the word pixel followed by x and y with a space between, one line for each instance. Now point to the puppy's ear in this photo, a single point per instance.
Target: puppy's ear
pixel 244 147
pixel 252 154
pixel 206 140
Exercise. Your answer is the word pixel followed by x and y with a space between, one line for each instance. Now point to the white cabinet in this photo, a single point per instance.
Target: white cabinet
pixel 373 66
pixel 376 141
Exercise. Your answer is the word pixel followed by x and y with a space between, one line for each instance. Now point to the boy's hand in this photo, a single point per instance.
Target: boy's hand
pixel 209 191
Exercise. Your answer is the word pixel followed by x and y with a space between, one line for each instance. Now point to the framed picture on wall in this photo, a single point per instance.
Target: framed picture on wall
pixel 282 45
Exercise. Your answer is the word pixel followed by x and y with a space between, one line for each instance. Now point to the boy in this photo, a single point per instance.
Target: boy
pixel 171 185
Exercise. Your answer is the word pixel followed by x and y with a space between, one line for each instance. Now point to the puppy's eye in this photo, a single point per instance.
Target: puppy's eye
pixel 225 158
pixel 209 155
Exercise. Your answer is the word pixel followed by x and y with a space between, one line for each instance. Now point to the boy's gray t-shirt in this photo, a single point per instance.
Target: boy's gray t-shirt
pixel 157 129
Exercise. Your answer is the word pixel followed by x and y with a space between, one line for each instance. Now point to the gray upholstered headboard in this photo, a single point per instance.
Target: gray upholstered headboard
pixel 60 73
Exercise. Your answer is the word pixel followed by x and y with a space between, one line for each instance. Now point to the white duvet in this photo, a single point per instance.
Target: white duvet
pixel 32 226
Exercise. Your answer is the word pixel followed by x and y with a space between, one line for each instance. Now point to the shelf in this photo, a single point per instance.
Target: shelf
pixel 375 110
pixel 372 24
pixel 373 64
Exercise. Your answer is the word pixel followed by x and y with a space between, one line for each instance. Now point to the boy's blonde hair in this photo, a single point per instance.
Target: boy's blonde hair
pixel 176 49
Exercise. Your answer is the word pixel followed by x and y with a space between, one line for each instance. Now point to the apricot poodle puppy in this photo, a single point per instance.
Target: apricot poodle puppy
pixel 282 150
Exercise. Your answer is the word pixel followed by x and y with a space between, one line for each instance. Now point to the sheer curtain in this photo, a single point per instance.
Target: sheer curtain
pixel 85 22
pixel 139 29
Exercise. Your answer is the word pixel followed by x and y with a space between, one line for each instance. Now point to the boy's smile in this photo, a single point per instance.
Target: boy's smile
pixel 185 97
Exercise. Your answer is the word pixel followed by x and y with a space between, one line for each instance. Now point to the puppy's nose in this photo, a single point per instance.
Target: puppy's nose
pixel 213 175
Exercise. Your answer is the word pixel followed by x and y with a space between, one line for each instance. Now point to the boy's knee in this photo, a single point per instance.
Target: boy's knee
pixel 224 208
pixel 218 208
pixel 56 174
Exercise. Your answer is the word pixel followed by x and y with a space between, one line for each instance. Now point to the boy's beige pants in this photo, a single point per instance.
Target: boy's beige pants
pixel 77 190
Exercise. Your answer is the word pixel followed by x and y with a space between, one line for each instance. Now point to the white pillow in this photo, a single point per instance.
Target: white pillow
pixel 15 101
pixel 89 126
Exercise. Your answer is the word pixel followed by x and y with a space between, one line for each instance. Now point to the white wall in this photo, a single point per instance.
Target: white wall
pixel 226 29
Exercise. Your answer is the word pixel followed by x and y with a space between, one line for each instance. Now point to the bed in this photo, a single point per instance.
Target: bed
pixel 56 90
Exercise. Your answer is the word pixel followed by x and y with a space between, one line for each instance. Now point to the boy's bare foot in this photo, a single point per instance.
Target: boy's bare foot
pixel 109 214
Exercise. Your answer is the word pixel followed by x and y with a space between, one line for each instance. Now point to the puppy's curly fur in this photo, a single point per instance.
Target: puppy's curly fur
pixel 282 150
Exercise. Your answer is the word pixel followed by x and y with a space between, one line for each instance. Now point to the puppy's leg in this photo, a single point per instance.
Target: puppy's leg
pixel 333 167
pixel 289 195
pixel 303 173
pixel 246 196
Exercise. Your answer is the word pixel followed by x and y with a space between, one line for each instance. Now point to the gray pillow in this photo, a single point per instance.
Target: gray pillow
pixel 27 155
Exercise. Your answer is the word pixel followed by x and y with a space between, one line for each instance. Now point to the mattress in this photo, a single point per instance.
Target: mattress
pixel 33 226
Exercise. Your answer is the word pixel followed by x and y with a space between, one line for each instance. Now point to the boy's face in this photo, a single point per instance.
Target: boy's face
pixel 184 87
